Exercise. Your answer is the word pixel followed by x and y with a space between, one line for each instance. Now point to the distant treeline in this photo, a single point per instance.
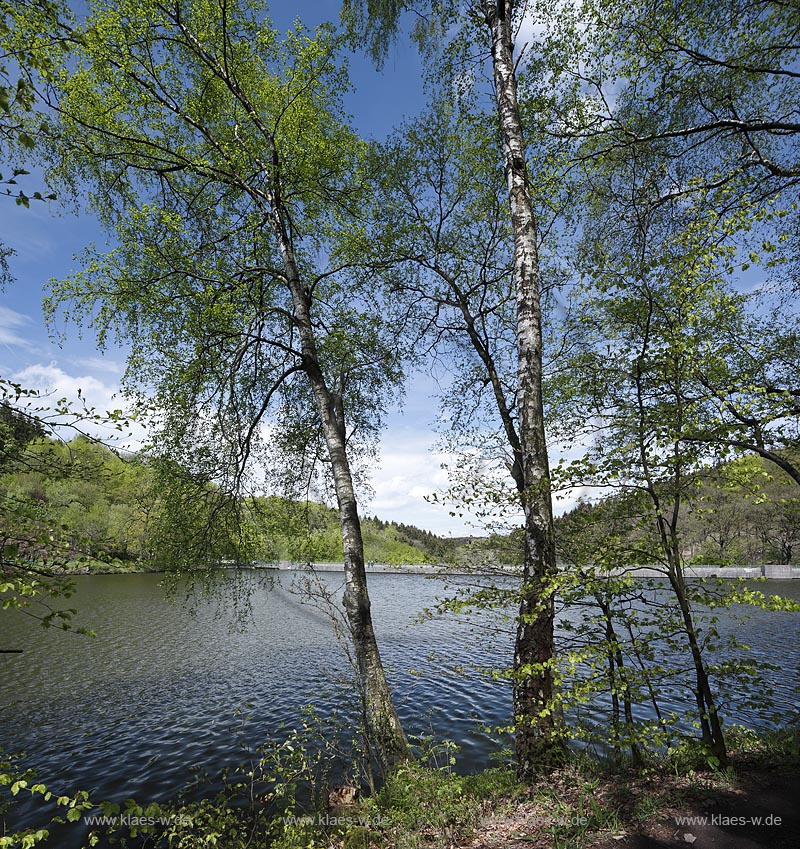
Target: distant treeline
pixel 113 509
pixel 742 512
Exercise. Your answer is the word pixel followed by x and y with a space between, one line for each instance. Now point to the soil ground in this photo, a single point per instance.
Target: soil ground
pixel 750 808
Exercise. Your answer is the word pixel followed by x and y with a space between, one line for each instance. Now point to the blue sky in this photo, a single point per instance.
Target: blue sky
pixel 46 239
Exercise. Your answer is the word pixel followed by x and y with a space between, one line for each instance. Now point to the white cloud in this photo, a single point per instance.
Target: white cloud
pixel 86 396
pixel 105 364
pixel 530 32
pixel 411 470
pixel 52 380
pixel 11 324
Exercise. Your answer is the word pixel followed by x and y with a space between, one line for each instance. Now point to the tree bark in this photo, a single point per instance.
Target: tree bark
pixel 383 723
pixel 539 746
pixel 710 722
pixel 619 679
pixel 382 719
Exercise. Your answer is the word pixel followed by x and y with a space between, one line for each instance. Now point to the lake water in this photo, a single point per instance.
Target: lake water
pixel 154 698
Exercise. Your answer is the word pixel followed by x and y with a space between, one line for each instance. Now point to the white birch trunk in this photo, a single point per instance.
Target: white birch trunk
pixel 538 744
pixel 381 716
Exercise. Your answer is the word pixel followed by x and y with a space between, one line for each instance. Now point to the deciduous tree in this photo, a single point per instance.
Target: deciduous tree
pixel 489 28
pixel 217 155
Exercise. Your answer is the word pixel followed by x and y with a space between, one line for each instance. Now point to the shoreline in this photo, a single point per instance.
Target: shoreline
pixel 769 571
pixel 775 572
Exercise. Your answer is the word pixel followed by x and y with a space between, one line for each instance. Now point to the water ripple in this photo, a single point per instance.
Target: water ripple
pixel 161 695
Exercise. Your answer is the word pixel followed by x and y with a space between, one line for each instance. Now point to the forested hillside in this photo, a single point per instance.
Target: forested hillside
pixel 111 507
pixel 743 512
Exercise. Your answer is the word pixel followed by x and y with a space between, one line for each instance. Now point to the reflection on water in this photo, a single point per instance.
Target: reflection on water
pixel 153 699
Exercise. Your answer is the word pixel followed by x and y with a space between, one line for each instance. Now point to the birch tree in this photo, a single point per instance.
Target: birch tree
pixel 716 82
pixel 489 28
pixel 706 94
pixel 216 155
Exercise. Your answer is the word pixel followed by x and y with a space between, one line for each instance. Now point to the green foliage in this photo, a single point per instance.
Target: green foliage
pixel 280 797
pixel 421 806
pixel 30 35
pixel 117 513
pixel 220 157
pixel 770 748
pixel 40 551
pixel 309 532
pixel 211 144
pixel 198 285
pixel 87 490
pixel 742 512
pixel 16 430
pixel 16 782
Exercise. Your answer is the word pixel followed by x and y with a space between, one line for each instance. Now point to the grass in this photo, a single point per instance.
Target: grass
pixel 420 806
pixel 583 805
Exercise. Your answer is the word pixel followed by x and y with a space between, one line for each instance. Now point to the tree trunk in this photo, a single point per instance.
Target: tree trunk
pixel 383 723
pixel 710 723
pixel 382 719
pixel 538 743
pixel 618 678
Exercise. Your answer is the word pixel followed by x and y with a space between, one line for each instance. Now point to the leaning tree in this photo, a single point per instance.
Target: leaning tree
pixel 216 155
